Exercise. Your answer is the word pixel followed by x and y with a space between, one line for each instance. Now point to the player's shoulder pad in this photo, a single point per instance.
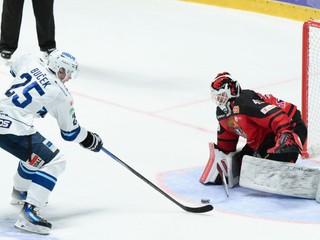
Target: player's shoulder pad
pixel 247 96
pixel 20 62
pixel 247 102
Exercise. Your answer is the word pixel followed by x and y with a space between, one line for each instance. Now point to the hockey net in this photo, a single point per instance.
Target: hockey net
pixel 311 85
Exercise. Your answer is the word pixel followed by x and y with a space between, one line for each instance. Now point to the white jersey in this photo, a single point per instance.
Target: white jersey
pixel 34 92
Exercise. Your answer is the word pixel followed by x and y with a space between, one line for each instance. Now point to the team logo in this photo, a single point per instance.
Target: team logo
pixel 236 128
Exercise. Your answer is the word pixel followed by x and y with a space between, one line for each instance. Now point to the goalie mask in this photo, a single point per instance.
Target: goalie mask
pixel 63 64
pixel 224 88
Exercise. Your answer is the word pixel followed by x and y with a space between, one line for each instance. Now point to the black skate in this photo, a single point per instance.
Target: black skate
pixel 30 220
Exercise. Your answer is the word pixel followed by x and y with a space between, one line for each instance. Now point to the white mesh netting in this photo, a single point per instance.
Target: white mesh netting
pixel 313 85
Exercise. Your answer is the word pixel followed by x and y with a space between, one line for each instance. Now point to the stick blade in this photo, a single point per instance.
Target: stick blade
pixel 202 209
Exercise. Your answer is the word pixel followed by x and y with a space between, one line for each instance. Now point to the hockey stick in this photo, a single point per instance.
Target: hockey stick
pixel 201 209
pixel 224 180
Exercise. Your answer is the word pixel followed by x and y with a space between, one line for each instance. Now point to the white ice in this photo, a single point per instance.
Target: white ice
pixel 146 67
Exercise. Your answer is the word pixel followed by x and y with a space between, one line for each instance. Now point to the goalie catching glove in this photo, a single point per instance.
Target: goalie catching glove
pixel 216 167
pixel 92 142
pixel 286 142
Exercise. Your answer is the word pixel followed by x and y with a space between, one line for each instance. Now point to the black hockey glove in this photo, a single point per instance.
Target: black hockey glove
pixel 92 142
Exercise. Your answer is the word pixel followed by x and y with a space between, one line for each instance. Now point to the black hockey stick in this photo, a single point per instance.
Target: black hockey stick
pixel 201 209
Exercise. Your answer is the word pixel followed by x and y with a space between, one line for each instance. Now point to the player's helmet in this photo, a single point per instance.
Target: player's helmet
pixel 224 88
pixel 63 64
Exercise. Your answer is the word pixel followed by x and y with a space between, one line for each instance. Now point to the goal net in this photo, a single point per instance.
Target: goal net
pixel 311 85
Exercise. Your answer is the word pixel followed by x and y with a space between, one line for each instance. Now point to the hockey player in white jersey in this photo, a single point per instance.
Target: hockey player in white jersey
pixel 37 89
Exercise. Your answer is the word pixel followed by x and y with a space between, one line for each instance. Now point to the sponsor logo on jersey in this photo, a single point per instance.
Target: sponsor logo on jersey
pixel 236 109
pixel 73 114
pixel 268 108
pixel 4 123
pixel 36 161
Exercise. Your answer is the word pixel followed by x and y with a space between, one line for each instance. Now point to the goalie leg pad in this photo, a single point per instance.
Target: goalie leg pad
pixel 318 193
pixel 281 178
pixel 216 163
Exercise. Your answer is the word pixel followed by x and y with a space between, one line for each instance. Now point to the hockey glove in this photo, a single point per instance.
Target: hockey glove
pixel 286 142
pixel 215 168
pixel 92 142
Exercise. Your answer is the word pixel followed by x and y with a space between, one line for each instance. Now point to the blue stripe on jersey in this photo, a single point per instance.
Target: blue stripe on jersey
pixel 25 173
pixel 45 180
pixel 41 178
pixel 70 136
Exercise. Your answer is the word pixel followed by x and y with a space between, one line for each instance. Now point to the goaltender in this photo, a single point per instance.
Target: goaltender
pixel 273 128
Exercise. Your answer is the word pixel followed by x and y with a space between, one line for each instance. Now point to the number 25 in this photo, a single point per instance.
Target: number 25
pixel 26 94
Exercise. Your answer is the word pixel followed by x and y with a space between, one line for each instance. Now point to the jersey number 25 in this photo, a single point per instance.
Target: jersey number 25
pixel 16 99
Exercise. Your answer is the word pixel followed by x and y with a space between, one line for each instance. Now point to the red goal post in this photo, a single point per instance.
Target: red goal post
pixel 311 85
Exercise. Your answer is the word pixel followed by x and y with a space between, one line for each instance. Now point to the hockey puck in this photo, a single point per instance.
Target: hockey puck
pixel 205 200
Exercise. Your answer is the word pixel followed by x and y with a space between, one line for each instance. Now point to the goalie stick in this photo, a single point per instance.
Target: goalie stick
pixel 219 168
pixel 202 209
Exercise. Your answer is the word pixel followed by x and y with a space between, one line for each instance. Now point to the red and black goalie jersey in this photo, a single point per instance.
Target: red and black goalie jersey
pixel 255 117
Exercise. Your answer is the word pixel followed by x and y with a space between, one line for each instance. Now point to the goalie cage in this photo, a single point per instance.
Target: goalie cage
pixel 311 86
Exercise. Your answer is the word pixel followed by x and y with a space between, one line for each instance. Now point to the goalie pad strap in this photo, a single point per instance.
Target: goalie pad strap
pixel 234 165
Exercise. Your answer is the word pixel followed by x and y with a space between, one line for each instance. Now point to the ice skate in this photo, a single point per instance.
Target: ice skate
pixel 30 220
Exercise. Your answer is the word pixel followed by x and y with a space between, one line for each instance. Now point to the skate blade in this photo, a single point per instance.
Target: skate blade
pixel 20 202
pixel 29 227
pixel 17 202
